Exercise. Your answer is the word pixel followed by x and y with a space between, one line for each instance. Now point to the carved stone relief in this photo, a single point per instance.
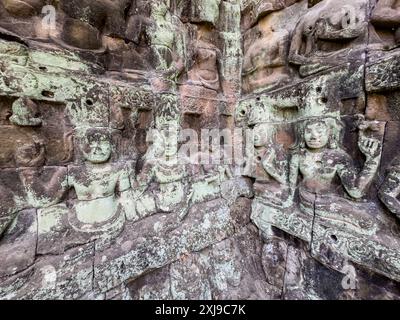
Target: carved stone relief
pixel 385 17
pixel 265 64
pixel 330 34
pixel 183 149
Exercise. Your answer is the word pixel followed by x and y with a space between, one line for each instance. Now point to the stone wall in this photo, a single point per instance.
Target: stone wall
pixel 98 98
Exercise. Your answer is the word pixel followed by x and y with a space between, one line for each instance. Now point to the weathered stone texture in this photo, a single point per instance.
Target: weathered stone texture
pixel 98 99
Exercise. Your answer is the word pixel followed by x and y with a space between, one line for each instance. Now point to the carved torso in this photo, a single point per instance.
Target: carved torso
pixel 265 52
pixel 205 68
pixel 162 32
pixel 264 62
pixel 94 182
pixel 318 170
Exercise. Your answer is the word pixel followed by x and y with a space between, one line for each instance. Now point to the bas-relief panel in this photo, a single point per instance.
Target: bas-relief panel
pixel 89 200
pixel 350 98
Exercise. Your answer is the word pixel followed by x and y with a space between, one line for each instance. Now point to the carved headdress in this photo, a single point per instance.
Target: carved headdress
pixel 168 114
pixel 335 130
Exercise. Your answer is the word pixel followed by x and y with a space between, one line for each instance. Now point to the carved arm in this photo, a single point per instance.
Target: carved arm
pixel 270 166
pixel 357 184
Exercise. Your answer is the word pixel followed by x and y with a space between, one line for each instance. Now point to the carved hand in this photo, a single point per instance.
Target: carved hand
pixel 370 147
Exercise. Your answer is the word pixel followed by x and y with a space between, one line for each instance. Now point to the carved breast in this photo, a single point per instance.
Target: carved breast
pixel 318 170
pixel 94 184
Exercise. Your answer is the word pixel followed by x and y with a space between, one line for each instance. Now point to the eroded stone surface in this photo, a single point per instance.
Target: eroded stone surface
pixel 98 201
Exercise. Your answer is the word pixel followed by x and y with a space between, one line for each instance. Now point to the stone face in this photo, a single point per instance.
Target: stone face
pixel 188 149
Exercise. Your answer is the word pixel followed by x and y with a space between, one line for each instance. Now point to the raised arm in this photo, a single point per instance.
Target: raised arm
pixel 390 188
pixel 58 184
pixel 271 166
pixel 49 187
pixel 145 176
pixel 356 184
pixel 124 182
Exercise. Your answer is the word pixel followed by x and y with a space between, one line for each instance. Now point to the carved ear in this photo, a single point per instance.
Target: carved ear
pixel 332 142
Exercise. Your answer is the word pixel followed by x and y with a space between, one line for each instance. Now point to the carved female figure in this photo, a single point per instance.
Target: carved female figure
pixel 97 208
pixel 164 39
pixel 319 160
pixel 29 158
pixel 164 168
pixel 96 184
pixel 324 35
pixel 390 189
pixel 267 165
pixel 206 56
pixel 43 186
pixel 265 60
pixel 39 186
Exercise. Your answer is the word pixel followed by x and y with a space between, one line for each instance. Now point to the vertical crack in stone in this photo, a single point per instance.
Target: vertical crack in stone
pixel 79 96
pixel 93 269
pixel 313 223
pixel 285 273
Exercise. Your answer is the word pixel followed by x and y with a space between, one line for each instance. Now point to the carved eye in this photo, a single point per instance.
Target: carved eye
pixel 48 94
pixel 89 102
pixel 323 100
